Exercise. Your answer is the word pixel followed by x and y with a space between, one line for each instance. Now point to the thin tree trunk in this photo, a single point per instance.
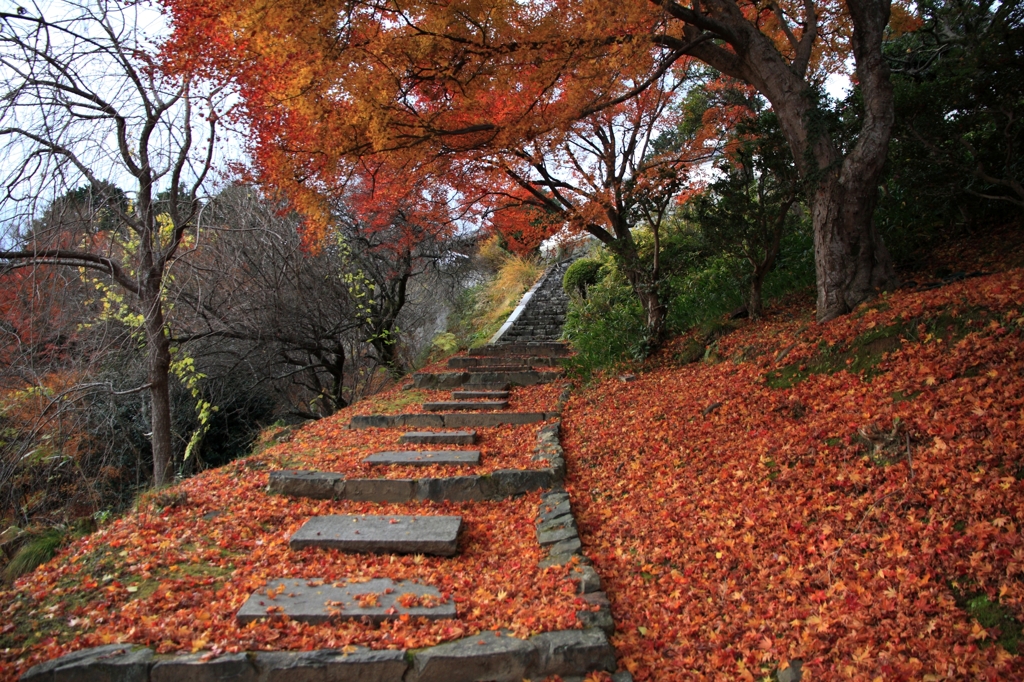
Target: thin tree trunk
pixel 646 289
pixel 655 313
pixel 755 306
pixel 158 347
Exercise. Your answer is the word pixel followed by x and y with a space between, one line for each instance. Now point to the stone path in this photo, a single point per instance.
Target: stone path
pixel 424 457
pixel 543 315
pixel 431 438
pixel 376 601
pixel 481 380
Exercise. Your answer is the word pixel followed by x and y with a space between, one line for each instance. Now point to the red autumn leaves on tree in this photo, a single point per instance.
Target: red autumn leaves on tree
pixel 429 80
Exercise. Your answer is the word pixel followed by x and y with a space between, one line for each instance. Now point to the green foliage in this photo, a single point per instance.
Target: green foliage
pixel 184 368
pixel 956 158
pixel 994 616
pixel 706 292
pixel 445 343
pixel 580 276
pixel 748 210
pixel 34 552
pixel 606 329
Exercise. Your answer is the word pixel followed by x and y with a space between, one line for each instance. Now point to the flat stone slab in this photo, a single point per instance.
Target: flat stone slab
pixel 439 437
pixel 497 386
pixel 473 362
pixel 424 457
pixel 110 662
pixel 532 348
pixel 314 601
pixel 381 534
pixel 315 484
pixel 496 418
pixel 453 405
pixel 351 664
pixel 484 376
pixel 480 395
pixel 451 420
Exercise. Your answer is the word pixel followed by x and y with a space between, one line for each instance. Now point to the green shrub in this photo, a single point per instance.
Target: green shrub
pixel 34 552
pixel 580 276
pixel 706 293
pixel 606 330
pixel 718 284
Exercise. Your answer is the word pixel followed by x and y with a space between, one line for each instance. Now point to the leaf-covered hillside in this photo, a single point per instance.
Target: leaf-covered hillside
pixel 845 496
pixel 849 495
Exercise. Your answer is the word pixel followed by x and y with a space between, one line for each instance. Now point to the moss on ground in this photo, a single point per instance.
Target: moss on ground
pixel 863 355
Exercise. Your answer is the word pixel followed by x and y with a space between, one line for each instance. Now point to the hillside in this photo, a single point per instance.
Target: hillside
pixel 847 496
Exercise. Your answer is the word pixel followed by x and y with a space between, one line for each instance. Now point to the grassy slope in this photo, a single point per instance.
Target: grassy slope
pixel 750 511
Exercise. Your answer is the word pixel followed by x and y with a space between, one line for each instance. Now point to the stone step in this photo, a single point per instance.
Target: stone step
pixel 424 457
pixel 450 420
pixel 491 361
pixel 498 387
pixel 480 395
pixel 530 349
pixel 437 535
pixel 497 485
pixel 455 405
pixel 439 438
pixel 478 378
pixel 316 601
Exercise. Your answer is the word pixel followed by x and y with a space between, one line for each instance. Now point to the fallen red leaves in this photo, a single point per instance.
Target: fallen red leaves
pixel 173 579
pixel 329 446
pixel 536 398
pixel 844 520
pixel 792 523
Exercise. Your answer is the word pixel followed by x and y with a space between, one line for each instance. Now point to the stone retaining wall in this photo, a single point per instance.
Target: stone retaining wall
pixel 487 656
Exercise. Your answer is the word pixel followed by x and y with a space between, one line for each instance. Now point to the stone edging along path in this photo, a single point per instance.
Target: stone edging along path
pixel 492 656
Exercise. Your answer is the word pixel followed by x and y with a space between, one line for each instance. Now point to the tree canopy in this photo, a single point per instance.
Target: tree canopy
pixel 426 82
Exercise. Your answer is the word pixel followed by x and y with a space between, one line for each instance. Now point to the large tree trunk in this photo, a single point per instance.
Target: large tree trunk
pixel 851 262
pixel 755 304
pixel 850 259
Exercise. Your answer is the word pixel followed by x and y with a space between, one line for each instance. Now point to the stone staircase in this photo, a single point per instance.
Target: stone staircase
pixel 495 367
pixel 480 399
pixel 570 654
pixel 541 316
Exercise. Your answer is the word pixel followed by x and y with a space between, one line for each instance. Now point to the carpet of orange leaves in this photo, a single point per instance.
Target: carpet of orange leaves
pixel 839 521
pixel 173 574
pixel 737 527
pixel 326 446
